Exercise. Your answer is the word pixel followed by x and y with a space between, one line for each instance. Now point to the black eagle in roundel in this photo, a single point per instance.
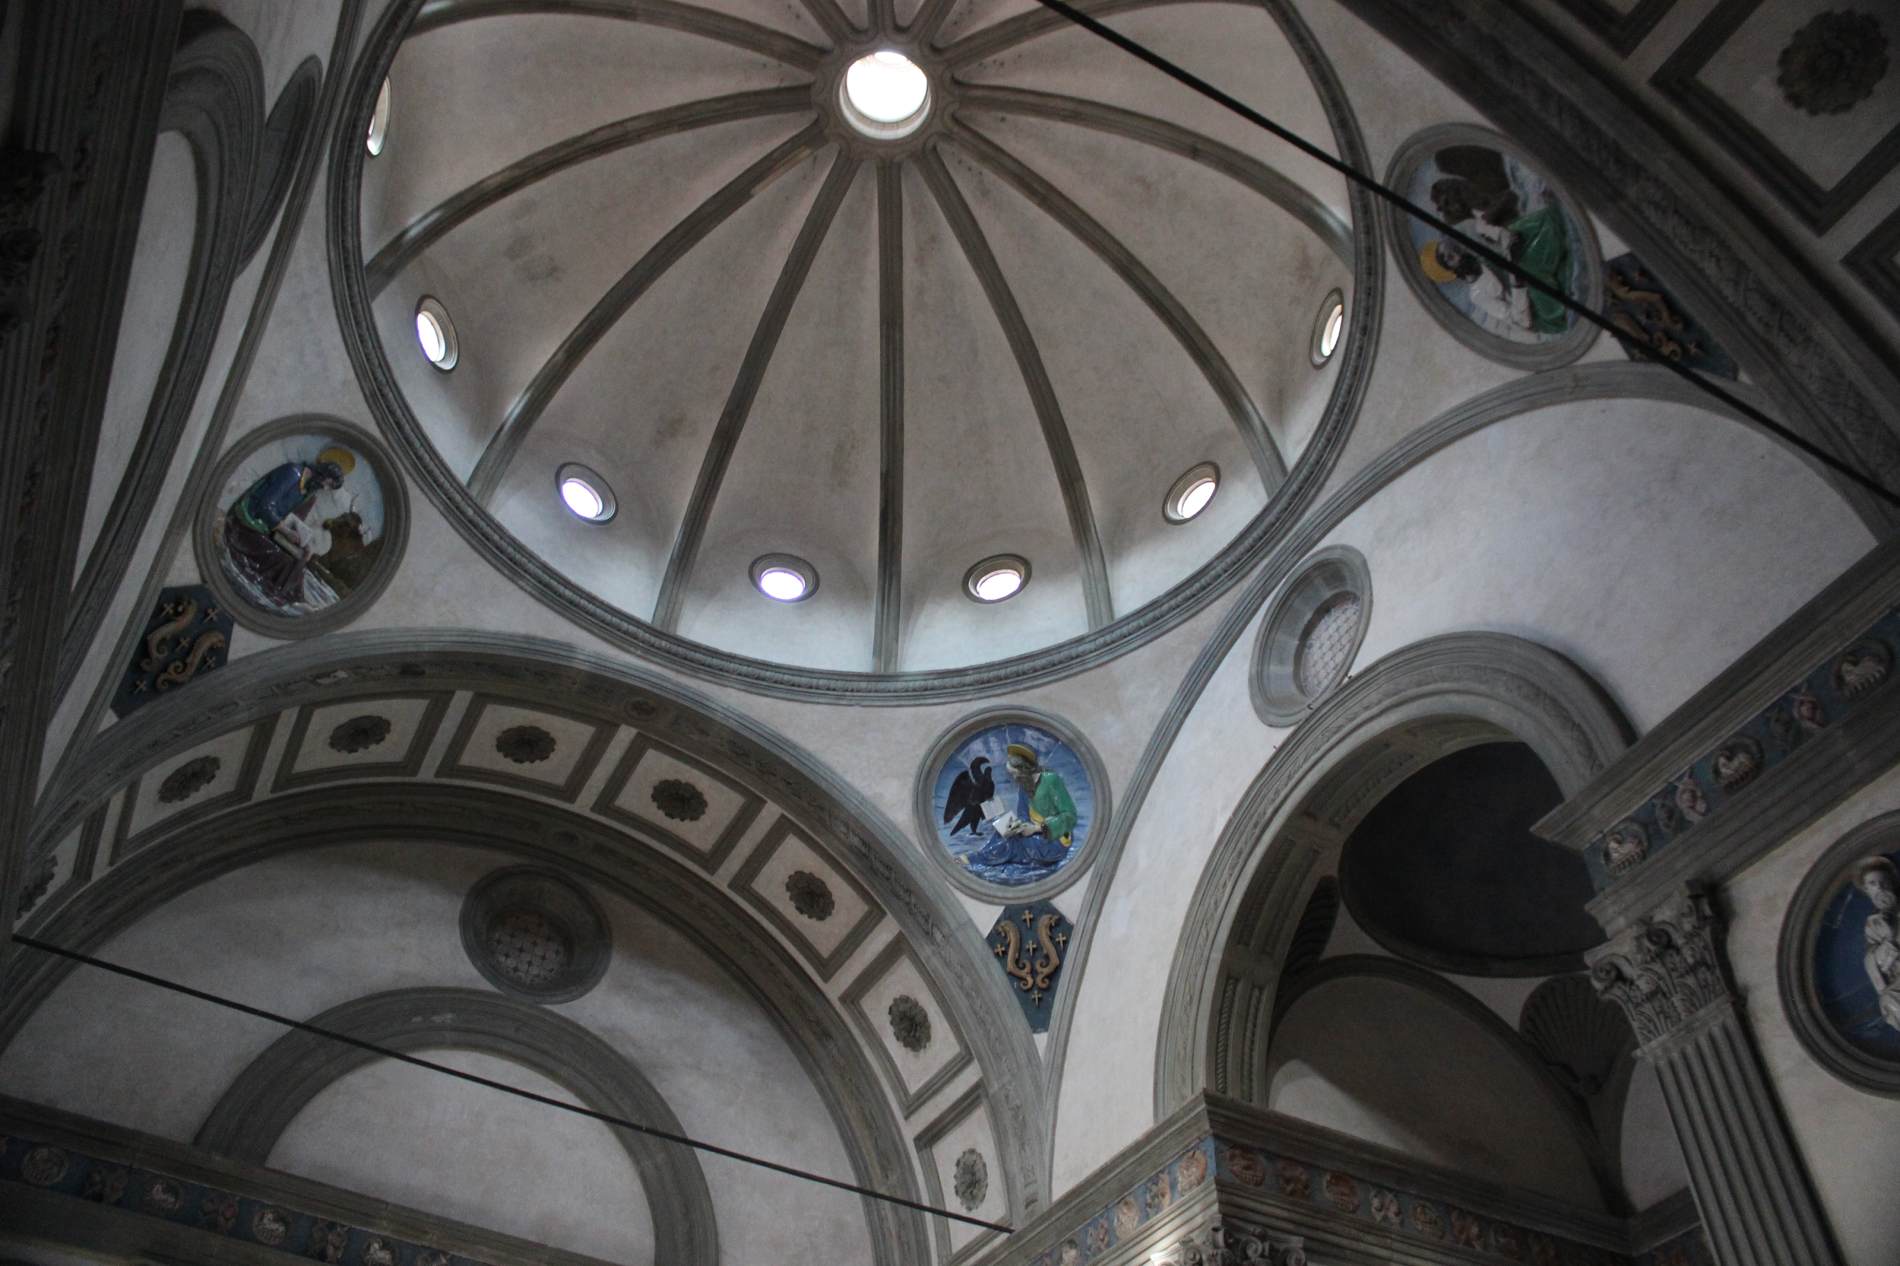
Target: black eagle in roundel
pixel 972 787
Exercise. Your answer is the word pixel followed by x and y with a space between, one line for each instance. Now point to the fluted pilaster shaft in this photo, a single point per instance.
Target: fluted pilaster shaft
pixel 1758 1205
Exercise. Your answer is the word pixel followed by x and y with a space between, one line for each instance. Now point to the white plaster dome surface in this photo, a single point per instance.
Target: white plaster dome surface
pixel 892 300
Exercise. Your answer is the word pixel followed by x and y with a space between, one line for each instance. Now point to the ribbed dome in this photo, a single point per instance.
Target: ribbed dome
pixel 672 253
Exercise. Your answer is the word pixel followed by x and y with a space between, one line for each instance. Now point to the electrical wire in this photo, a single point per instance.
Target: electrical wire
pixel 1489 255
pixel 317 1030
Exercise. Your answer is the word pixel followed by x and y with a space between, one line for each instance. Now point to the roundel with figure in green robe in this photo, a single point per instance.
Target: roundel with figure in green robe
pixel 1012 804
pixel 1494 194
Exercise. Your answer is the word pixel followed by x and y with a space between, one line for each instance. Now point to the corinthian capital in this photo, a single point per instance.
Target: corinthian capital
pixel 1227 1244
pixel 1664 969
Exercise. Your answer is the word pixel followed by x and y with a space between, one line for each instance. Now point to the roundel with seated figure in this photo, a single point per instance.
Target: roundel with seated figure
pixel 1011 803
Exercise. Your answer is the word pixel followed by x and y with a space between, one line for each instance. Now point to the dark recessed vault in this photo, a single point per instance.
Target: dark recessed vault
pixel 1445 870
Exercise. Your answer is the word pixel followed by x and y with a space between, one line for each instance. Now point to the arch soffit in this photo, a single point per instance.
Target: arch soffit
pixel 262 690
pixel 267 1095
pixel 214 99
pixel 1429 983
pixel 1411 707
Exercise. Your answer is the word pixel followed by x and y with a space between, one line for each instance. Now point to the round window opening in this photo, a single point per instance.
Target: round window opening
pixel 885 95
pixel 1330 327
pixel 1192 492
pixel 534 934
pixel 996 579
pixel 585 493
pixel 435 334
pixel 784 577
pixel 1311 635
pixel 379 123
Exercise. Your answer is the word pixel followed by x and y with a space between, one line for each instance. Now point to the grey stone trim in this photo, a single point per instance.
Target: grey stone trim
pixel 746 383
pixel 826 965
pixel 692 19
pixel 1621 29
pixel 1875 259
pixel 1794 959
pixel 438 221
pixel 287 132
pixel 853 1002
pixel 1568 1107
pixel 126 842
pixel 138 1235
pixel 1159 300
pixel 539 833
pixel 549 892
pixel 1273 676
pixel 210 511
pixel 1100 824
pixel 1411 707
pixel 1587 271
pixel 1667 1218
pixel 1090 560
pixel 528 407
pixel 568 791
pixel 347 664
pixel 215 100
pixel 750 808
pixel 1118 1216
pixel 1667 972
pixel 1823 370
pixel 1820 208
pixel 91 834
pixel 406 764
pixel 969 1102
pixel 887 620
pixel 588 612
pixel 185 509
pixel 263 1100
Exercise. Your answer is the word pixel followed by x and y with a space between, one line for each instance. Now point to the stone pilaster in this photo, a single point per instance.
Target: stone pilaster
pixel 1666 971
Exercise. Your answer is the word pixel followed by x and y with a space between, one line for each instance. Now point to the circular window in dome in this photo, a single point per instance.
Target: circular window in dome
pixel 996 578
pixel 784 577
pixel 585 493
pixel 885 95
pixel 1311 635
pixel 435 334
pixel 379 123
pixel 1330 328
pixel 534 934
pixel 1191 493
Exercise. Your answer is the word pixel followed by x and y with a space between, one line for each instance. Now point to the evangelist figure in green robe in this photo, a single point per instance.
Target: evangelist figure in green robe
pixel 1045 813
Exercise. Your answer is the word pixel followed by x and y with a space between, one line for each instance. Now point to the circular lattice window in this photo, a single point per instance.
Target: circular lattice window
pixel 1311 634
pixel 535 935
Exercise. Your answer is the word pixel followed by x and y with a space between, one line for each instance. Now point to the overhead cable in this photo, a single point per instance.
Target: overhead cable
pixel 1483 251
pixel 608 1118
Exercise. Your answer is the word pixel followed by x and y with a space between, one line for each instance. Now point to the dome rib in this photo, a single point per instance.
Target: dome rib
pixel 831 19
pixel 745 388
pixel 1194 340
pixel 609 138
pixel 886 616
pixel 1022 342
pixel 926 22
pixel 662 255
pixel 689 18
pixel 1132 125
pixel 1003 35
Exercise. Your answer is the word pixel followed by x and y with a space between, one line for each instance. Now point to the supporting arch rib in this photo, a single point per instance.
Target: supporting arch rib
pixel 745 389
pixel 690 18
pixel 1160 300
pixel 1055 430
pixel 436 223
pixel 1282 191
pixel 662 255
